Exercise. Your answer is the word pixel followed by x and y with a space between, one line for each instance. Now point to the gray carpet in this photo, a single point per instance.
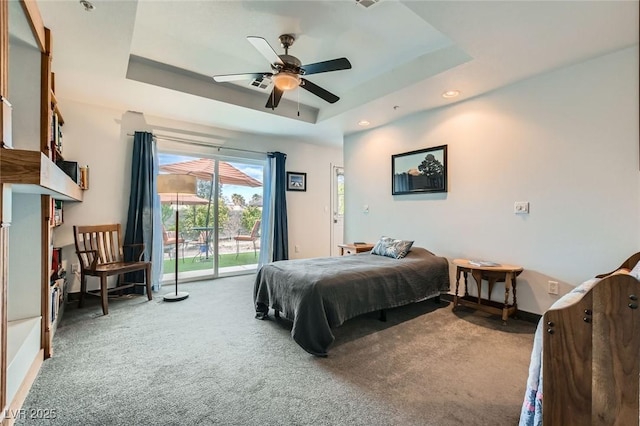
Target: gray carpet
pixel 206 361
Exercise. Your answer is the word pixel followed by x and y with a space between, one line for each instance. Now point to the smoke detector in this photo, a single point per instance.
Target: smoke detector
pixel 88 6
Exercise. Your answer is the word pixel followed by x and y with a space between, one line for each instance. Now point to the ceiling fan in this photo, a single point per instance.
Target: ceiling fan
pixel 286 71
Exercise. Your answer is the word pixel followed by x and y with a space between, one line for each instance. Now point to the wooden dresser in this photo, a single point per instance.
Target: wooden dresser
pixel 346 249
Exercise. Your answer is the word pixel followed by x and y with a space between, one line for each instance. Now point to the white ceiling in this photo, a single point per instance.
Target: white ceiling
pixel 158 57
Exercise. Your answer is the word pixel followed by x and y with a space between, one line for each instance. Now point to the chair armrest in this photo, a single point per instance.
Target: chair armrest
pixel 94 258
pixel 140 245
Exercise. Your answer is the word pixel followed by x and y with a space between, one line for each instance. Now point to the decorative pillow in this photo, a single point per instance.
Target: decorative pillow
pixel 392 248
pixel 636 271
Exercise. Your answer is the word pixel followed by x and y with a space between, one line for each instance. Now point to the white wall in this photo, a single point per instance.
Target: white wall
pixel 566 141
pixel 24 95
pixel 98 137
pixel 23 211
pixel 25 273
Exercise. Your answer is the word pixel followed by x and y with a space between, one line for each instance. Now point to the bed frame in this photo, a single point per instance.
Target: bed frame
pixel 591 355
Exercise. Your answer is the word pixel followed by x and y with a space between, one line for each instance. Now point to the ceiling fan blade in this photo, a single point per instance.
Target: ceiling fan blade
pixel 235 77
pixel 318 91
pixel 265 49
pixel 326 66
pixel 274 98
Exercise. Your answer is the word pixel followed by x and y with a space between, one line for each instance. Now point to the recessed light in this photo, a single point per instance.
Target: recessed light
pixel 363 123
pixel 450 93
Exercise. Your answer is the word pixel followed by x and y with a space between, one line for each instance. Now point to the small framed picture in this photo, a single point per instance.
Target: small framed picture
pixel 296 181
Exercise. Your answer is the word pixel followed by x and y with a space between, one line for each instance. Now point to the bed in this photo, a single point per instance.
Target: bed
pixel 320 293
pixel 588 370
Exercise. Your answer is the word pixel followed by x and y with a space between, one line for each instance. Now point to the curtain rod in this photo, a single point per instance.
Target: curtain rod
pixel 200 143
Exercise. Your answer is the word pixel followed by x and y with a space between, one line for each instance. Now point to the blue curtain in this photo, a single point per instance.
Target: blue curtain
pixel 280 230
pixel 144 223
pixel 266 227
pixel 274 236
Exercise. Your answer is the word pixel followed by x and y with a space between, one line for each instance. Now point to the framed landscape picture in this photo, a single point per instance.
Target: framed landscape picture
pixel 296 181
pixel 424 170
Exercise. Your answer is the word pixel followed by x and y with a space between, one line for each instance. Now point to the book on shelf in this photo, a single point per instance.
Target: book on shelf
pixel 56 264
pixel 57 213
pixel 475 262
pixel 55 290
pixel 55 137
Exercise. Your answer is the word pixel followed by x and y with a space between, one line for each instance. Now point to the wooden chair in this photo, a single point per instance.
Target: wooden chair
pixel 100 251
pixel 251 237
pixel 202 245
pixel 169 239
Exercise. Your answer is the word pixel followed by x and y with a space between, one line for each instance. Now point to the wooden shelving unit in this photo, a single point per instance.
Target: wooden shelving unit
pixel 30 183
pixel 33 172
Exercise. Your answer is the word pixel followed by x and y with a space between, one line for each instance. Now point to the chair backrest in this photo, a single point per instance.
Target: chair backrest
pixel 256 229
pixel 106 240
pixel 169 237
pixel 166 235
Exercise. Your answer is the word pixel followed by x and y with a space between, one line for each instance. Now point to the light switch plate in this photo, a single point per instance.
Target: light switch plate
pixel 521 207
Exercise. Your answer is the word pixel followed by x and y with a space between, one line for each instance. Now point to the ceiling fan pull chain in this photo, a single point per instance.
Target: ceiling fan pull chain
pixel 298 92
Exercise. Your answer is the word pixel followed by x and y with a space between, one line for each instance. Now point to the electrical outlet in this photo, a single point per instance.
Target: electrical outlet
pixel 521 207
pixel 296 248
pixel 553 287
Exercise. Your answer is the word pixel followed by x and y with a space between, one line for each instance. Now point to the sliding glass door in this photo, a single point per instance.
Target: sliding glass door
pixel 238 241
pixel 217 226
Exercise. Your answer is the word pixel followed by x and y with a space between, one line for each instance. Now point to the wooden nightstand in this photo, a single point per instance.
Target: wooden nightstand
pixel 346 249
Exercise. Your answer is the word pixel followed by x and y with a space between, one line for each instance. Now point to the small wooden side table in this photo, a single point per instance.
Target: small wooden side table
pixel 492 274
pixel 346 249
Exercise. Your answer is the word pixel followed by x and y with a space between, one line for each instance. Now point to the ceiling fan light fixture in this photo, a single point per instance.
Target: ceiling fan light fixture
pixel 286 72
pixel 286 81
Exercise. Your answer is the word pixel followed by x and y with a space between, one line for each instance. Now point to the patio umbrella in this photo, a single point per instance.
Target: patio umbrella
pixel 204 168
pixel 184 199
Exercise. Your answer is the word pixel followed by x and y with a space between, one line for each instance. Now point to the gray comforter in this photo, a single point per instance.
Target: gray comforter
pixel 320 293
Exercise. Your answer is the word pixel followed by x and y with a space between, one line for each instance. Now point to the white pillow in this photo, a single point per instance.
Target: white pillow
pixel 635 272
pixel 390 247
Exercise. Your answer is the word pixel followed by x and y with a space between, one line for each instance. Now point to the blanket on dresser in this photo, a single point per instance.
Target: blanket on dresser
pixel 531 413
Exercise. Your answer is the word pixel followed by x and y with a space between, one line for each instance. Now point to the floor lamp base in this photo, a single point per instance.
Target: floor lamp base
pixel 173 297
